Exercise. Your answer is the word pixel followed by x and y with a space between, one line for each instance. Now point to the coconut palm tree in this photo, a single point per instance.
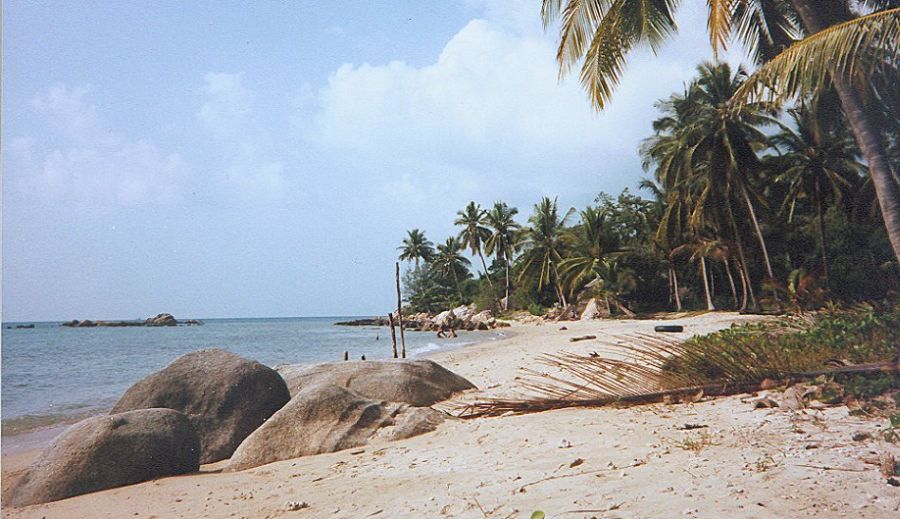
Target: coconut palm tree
pixel 592 244
pixel 450 263
pixel 502 241
pixel 668 236
pixel 705 158
pixel 543 246
pixel 415 247
pixel 474 233
pixel 727 140
pixel 817 163
pixel 841 44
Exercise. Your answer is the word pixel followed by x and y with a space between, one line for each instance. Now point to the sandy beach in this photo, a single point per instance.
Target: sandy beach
pixel 576 463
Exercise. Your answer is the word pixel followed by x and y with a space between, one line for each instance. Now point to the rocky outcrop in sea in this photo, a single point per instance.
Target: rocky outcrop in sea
pixel 157 320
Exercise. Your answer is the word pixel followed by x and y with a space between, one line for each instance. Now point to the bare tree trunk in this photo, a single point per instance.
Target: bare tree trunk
pixel 506 304
pixel 865 130
pixel 393 334
pixel 674 276
pixel 400 310
pixel 745 271
pixel 759 236
pixel 456 281
pixel 821 219
pixel 484 266
pixel 731 281
pixel 709 303
pixel 559 292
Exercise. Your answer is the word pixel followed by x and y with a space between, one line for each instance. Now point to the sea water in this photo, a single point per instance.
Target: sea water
pixel 54 374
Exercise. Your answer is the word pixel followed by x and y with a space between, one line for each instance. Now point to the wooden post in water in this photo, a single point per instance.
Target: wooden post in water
pixel 400 310
pixel 393 334
pixel 346 355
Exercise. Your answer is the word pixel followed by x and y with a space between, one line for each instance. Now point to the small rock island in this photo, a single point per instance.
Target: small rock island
pixel 158 320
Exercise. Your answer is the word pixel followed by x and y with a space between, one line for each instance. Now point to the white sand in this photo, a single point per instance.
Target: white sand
pixel 634 462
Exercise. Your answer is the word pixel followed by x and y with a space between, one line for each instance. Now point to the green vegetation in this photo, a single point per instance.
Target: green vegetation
pixel 767 350
pixel 775 198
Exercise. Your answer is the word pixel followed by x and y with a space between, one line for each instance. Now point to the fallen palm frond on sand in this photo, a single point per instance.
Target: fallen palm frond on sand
pixel 642 369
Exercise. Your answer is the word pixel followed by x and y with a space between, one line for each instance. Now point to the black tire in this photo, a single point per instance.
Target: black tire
pixel 669 328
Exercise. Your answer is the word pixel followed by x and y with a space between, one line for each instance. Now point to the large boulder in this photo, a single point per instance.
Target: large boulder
pixel 414 382
pixel 226 397
pixel 327 418
pixel 111 451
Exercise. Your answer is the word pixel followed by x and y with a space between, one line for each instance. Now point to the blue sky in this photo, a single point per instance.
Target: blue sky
pixel 225 159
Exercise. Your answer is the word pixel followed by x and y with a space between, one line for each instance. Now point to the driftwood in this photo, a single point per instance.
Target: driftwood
pixel 393 335
pixel 582 338
pixel 400 310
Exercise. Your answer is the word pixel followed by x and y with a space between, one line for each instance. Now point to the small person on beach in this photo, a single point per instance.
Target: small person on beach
pixel 444 329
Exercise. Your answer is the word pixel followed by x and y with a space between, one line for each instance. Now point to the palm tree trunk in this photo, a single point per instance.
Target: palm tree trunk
pixel 559 292
pixel 865 130
pixel 759 236
pixel 709 303
pixel 821 218
pixel 674 276
pixel 484 265
pixel 745 272
pixel 506 304
pixel 456 280
pixel 731 281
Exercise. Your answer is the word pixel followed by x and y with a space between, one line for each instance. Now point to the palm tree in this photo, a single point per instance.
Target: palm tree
pixel 727 139
pixel 474 233
pixel 450 263
pixel 593 242
pixel 543 246
pixel 841 44
pixel 415 247
pixel 818 163
pixel 705 158
pixel 502 240
pixel 667 207
pixel 613 280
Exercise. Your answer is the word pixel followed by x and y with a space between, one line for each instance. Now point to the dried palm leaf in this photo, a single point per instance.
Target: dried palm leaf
pixel 647 369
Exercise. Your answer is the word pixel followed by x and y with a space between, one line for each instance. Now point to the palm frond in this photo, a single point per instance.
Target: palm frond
pixel 640 372
pixel 719 23
pixel 841 49
pixel 613 29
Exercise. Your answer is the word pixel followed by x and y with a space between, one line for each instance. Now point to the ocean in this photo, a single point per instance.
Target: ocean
pixel 54 375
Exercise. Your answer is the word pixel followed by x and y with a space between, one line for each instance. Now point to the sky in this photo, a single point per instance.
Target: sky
pixel 265 159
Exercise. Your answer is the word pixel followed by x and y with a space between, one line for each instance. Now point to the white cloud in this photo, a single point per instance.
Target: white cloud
pixel 68 111
pixel 490 106
pixel 246 154
pixel 227 103
pixel 87 163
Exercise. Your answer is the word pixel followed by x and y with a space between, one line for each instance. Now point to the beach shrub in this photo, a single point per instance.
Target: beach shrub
pixel 536 309
pixel 851 337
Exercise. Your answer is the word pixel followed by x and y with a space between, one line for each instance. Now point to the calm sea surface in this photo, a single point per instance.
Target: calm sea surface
pixel 53 374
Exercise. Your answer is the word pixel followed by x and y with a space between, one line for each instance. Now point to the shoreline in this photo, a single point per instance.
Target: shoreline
pixel 631 462
pixel 31 441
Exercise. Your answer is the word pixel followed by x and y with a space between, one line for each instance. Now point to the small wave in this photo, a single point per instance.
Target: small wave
pixel 428 348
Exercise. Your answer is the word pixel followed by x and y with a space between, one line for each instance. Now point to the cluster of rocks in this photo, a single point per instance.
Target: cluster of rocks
pixel 212 405
pixel 459 318
pixel 464 317
pixel 586 310
pixel 158 320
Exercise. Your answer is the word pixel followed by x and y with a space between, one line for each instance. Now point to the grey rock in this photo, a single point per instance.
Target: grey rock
pixel 414 382
pixel 111 451
pixel 226 397
pixel 327 418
